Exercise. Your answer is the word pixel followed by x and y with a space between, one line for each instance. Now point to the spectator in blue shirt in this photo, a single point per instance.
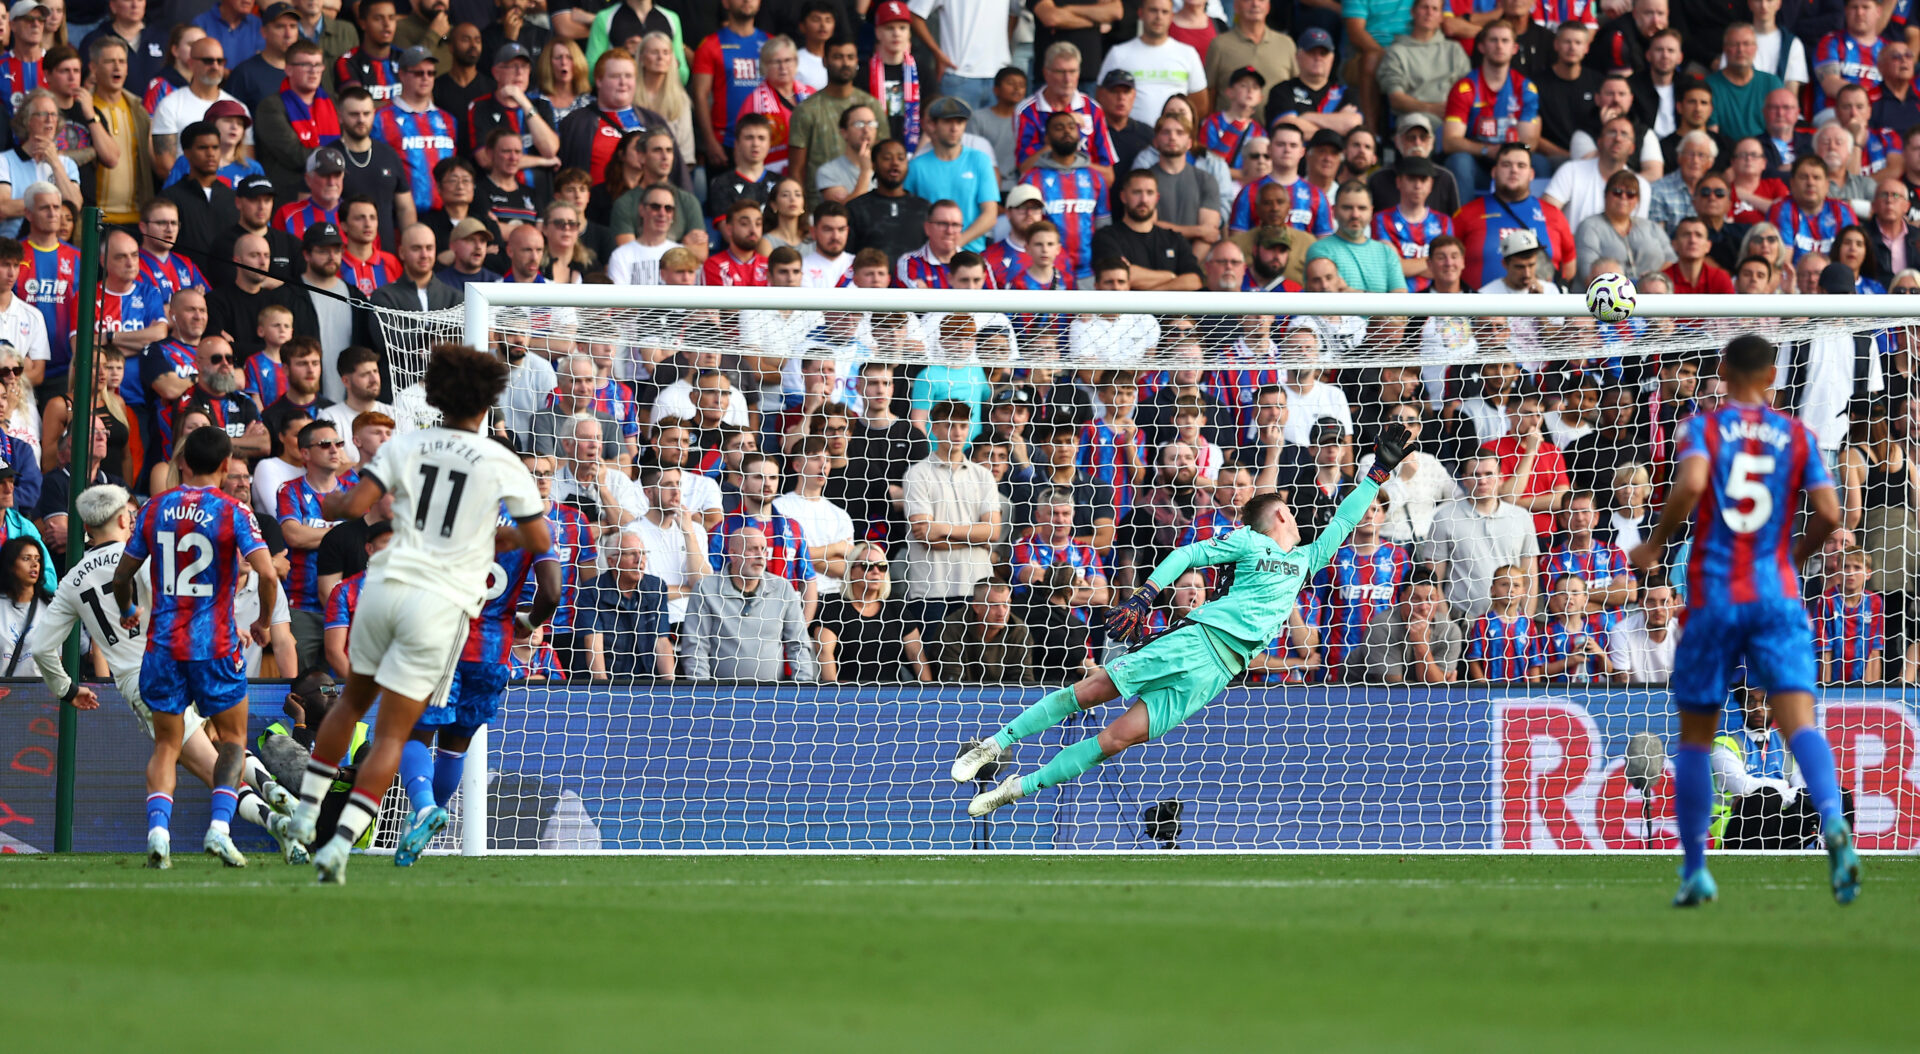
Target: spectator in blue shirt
pixel 623 614
pixel 951 171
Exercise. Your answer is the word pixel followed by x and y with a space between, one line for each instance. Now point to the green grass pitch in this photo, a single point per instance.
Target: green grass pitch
pixel 1159 953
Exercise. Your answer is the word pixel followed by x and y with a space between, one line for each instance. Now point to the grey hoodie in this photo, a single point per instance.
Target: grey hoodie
pixel 731 637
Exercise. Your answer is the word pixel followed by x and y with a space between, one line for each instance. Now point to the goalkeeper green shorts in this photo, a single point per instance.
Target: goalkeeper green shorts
pixel 1175 676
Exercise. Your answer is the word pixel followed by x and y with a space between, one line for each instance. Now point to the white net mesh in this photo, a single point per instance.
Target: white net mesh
pixel 1421 697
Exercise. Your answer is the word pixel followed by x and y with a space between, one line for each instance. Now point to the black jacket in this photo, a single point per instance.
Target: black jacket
pixel 1880 266
pixel 203 215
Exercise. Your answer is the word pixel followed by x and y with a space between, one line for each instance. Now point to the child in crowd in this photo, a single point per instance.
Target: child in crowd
pixel 1501 644
pixel 1570 644
pixel 1850 626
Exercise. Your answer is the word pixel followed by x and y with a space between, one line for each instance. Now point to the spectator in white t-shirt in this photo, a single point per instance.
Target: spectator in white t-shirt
pixel 638 261
pixel 973 45
pixel 1112 338
pixel 1308 397
pixel 827 528
pixel 826 258
pixel 1161 66
pixel 676 540
pixel 1642 643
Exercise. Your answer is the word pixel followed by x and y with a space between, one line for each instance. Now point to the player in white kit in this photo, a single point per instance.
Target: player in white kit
pixel 85 596
pixel 448 484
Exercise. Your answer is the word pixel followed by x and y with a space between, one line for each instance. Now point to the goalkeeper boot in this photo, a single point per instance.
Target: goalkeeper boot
pixel 426 823
pixel 976 757
pixel 1843 862
pixel 220 843
pixel 330 863
pixel 159 849
pixel 1006 793
pixel 291 851
pixel 1696 889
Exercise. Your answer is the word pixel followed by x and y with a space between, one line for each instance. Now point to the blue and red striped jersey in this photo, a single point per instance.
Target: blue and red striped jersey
pixel 1074 199
pixel 1555 640
pixel 1222 136
pixel 1859 63
pixel 1597 562
pixel 18 76
pixel 573 547
pixel 1238 388
pixel 1210 523
pixel 171 275
pixel 266 378
pixel 510 586
pixel 299 503
pixel 343 601
pixel 369 275
pixel 1848 633
pixel 1355 589
pixel 786 547
pixel 1031 550
pixel 1504 644
pixel 1881 146
pixel 733 61
pixel 615 400
pixel 1550 13
pixel 1002 260
pixel 1810 232
pixel 1099 457
pixel 1410 238
pixel 381 77
pixel 136 309
pixel 1030 129
pixel 296 216
pixel 1493 113
pixel 168 82
pixel 49 280
pixel 1309 210
pixel 194 540
pixel 421 139
pixel 1760 461
pixel 1029 325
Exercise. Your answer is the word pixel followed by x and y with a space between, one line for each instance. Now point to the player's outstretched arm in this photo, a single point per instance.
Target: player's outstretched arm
pixel 1395 440
pixel 1690 479
pixel 352 504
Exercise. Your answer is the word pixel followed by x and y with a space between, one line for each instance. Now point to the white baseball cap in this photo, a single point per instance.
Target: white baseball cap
pixel 1515 241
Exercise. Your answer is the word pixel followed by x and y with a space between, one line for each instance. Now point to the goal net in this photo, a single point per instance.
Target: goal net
pixel 769 514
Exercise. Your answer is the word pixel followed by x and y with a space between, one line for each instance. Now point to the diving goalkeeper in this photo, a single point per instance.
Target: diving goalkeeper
pixel 1182 670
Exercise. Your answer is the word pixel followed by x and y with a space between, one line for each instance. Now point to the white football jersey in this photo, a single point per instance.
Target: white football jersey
pixel 447 486
pixel 86 594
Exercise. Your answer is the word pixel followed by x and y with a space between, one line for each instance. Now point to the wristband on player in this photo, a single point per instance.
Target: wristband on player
pixel 1379 473
pixel 72 691
pixel 130 611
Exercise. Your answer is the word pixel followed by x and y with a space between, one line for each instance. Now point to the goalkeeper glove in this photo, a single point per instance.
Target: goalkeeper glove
pixel 1389 450
pixel 1129 622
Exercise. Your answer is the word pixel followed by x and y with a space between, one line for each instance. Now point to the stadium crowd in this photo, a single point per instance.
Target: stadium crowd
pixel 280 179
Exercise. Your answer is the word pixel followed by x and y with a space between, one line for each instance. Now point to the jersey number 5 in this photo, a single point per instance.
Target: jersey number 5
pixel 456 486
pixel 178 581
pixel 1744 487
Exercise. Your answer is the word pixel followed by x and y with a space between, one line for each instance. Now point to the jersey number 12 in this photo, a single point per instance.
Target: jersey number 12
pixel 179 581
pixel 456 486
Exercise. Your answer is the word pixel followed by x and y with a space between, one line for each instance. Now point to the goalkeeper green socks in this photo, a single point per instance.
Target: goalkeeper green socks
pixel 1054 707
pixel 1068 764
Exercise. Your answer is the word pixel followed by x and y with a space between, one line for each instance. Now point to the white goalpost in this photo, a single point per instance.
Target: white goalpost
pixel 1330 742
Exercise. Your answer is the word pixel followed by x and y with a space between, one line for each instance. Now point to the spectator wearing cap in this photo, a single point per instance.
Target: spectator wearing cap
pixel 326 182
pixel 120 191
pixel 377 171
pixel 1251 43
pixel 253 202
pixel 1421 65
pixel 1230 130
pixel 1060 68
pixel 952 171
pixel 469 242
pixel 1024 207
pixel 294 119
pixel 509 103
pixel 205 203
pixel 420 132
pixel 1115 94
pixel 428 25
pixel 1410 227
pixel 257 76
pixel 1414 137
pixel 327 306
pixel 1314 100
pixel 1492 107
pixel 234 124
pixel 235 28
pixel 1367 264
pixel 1161 66
pixel 189 105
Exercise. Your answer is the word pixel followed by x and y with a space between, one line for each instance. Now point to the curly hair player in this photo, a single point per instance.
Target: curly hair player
pixel 421 591
pixel 1182 670
pixel 1739 473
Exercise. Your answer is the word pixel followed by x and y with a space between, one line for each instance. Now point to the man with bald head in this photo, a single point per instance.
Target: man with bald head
pixel 742 625
pixel 233 309
pixel 417 289
pixel 133 313
pixel 1739 90
pixel 216 385
pixel 1781 135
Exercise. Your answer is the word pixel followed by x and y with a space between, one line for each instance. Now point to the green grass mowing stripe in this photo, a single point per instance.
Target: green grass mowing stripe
pixel 853 954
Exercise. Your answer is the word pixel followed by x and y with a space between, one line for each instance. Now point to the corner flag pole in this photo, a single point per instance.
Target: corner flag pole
pixel 80 424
